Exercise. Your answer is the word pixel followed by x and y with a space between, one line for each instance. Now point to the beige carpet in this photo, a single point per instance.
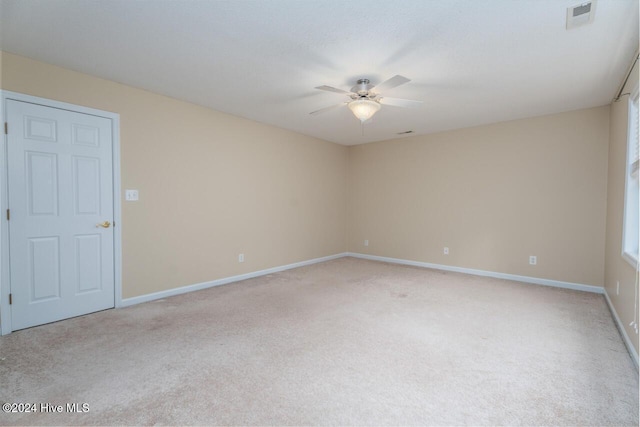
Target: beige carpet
pixel 346 342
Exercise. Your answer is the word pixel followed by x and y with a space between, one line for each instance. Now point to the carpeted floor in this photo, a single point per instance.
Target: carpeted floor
pixel 346 342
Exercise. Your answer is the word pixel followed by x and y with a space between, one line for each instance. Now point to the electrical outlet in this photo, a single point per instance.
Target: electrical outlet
pixel 446 250
pixel 366 243
pixel 533 260
pixel 617 287
pixel 241 258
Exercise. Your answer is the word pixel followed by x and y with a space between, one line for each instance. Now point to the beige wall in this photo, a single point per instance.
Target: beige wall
pixel 493 194
pixel 616 268
pixel 211 185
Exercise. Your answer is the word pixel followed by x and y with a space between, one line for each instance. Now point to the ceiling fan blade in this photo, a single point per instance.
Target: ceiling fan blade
pixel 333 89
pixel 325 109
pixel 397 102
pixel 394 81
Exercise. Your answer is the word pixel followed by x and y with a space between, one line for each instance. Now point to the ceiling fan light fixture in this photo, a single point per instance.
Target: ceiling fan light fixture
pixel 364 109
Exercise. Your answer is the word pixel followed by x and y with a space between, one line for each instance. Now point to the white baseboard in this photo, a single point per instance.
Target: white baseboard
pixel 525 279
pixel 199 286
pixel 623 331
pixel 204 285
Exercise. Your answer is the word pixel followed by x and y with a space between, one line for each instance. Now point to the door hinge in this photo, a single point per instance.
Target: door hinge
pixel 8 214
pixel 10 299
pixel 6 128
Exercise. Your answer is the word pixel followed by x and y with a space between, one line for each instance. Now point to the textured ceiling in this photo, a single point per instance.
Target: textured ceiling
pixel 471 61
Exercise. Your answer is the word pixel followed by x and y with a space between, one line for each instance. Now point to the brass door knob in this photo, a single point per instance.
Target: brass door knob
pixel 105 224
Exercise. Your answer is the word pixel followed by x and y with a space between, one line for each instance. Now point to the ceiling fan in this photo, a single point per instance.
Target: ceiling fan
pixel 365 98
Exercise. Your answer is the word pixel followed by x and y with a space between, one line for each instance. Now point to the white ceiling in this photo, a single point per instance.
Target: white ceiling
pixel 471 61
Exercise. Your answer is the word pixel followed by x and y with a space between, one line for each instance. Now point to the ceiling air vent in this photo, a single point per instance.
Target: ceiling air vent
pixel 581 14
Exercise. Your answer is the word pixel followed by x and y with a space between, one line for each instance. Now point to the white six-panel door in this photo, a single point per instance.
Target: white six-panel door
pixel 60 185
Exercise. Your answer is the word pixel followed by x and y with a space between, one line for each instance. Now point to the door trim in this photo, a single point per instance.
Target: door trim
pixel 5 285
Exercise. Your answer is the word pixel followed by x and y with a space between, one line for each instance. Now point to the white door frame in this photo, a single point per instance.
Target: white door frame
pixel 5 284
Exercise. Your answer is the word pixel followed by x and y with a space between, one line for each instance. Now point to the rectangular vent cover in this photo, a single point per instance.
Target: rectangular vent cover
pixel 580 14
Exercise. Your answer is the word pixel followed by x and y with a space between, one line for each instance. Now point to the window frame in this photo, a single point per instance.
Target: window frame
pixel 628 256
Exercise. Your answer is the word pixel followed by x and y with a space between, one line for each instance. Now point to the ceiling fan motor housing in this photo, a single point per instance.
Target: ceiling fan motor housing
pixel 362 87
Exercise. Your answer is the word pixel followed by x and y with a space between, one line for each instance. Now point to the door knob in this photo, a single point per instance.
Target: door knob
pixel 105 224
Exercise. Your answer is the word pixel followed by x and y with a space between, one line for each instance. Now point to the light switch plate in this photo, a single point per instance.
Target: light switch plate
pixel 131 195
